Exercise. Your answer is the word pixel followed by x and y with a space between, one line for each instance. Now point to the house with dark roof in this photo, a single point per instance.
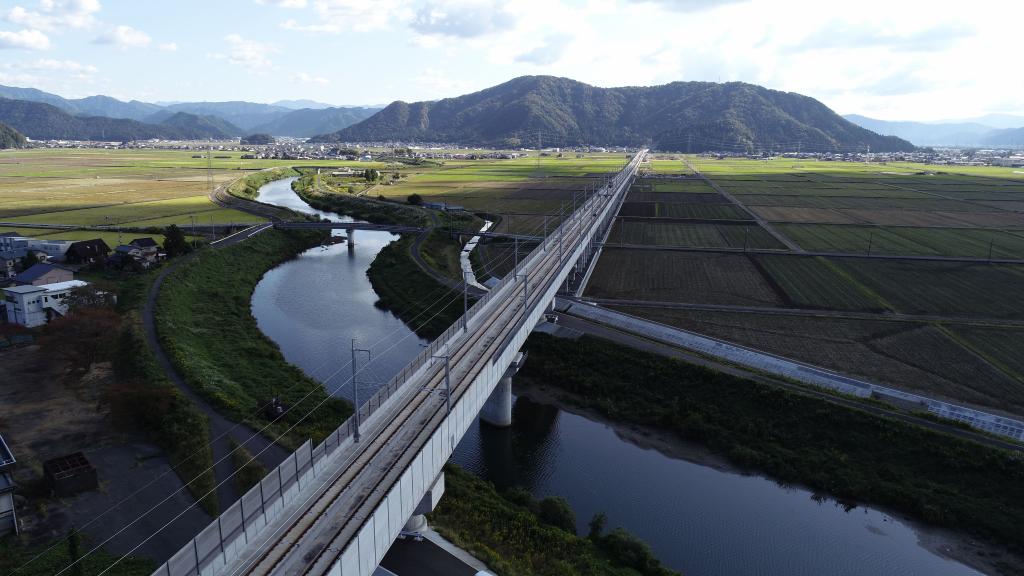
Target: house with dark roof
pixel 149 248
pixel 39 274
pixel 87 251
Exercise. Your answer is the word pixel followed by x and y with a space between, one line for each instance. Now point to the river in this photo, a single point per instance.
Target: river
pixel 700 519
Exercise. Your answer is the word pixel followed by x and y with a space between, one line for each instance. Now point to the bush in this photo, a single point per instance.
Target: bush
pixel 555 510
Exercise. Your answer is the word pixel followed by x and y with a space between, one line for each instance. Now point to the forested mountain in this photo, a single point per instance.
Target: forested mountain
pixel 89 106
pixel 201 126
pixel 41 121
pixel 309 121
pixel 245 115
pixel 694 116
pixel 10 138
pixel 1011 138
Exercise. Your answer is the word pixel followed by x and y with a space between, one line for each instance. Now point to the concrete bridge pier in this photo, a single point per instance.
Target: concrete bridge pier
pixel 418 521
pixel 497 410
pixel 351 237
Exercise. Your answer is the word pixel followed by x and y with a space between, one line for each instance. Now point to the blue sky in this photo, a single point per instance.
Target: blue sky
pixel 893 59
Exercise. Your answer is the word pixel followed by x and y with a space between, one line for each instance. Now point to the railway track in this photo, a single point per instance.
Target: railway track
pixel 311 539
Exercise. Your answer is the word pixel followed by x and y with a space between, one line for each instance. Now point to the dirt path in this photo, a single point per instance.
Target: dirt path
pixel 222 430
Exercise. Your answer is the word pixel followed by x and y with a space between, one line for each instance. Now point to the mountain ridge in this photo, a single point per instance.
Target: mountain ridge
pixel 41 121
pixel 694 116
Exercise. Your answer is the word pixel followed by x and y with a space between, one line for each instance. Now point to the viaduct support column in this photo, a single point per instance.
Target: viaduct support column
pixel 351 234
pixel 497 411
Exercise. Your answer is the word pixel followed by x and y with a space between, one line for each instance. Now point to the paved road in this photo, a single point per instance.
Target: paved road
pixel 775 310
pixel 641 343
pixel 222 430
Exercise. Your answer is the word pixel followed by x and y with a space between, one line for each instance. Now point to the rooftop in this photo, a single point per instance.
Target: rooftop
pixel 24 289
pixel 35 271
pixel 63 285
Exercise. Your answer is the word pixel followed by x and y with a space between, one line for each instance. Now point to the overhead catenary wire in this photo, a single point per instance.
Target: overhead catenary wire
pixel 326 384
pixel 219 484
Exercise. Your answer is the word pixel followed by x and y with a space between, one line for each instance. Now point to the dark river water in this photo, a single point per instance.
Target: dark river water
pixel 698 519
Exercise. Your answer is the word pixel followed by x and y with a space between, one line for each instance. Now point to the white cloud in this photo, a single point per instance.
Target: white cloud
pixel 363 16
pixel 50 64
pixel 463 19
pixel 304 78
pixel 169 47
pixel 548 52
pixel 294 26
pixel 283 3
pixel 689 5
pixel 26 39
pixel 55 14
pixel 250 54
pixel 124 37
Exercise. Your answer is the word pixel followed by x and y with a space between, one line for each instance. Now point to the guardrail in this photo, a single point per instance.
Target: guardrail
pixel 223 539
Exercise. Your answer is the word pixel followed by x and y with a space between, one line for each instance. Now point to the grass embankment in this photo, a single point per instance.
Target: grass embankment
pixel 248 187
pixel 851 455
pixel 358 207
pixel 249 471
pixel 205 324
pixel 507 532
pixel 406 290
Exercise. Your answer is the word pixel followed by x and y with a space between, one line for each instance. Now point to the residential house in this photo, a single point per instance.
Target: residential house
pixel 126 253
pixel 87 251
pixel 12 241
pixel 54 249
pixel 31 306
pixel 150 249
pixel 40 274
pixel 8 518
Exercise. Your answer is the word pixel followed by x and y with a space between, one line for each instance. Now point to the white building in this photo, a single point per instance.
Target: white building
pixel 33 306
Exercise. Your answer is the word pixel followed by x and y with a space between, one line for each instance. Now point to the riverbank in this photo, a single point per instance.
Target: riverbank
pixel 248 187
pixel 848 454
pixel 943 542
pixel 205 324
pixel 358 207
pixel 518 536
pixel 427 307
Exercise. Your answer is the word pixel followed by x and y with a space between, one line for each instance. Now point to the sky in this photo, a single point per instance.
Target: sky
pixel 893 59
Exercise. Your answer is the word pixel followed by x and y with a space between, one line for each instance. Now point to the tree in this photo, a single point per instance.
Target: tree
pixel 371 175
pixel 555 510
pixel 415 199
pixel 175 243
pixel 597 525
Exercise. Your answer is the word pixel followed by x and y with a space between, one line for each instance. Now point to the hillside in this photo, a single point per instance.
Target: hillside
pixel 10 138
pixel 1011 138
pixel 245 115
pixel 309 121
pixel 685 116
pixel 41 121
pixel 193 126
pixel 922 134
